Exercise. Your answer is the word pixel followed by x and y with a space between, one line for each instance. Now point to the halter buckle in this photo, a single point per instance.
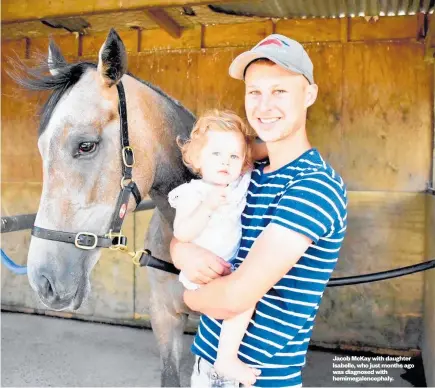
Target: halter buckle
pixel 79 244
pixel 121 244
pixel 125 182
pixel 126 153
pixel 137 256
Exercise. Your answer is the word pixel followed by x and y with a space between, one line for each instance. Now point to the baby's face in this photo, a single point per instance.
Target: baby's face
pixel 221 159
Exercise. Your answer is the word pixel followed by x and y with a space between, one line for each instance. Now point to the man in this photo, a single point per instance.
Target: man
pixel 293 228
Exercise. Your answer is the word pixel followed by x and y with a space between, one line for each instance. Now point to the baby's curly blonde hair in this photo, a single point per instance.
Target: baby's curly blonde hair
pixel 218 120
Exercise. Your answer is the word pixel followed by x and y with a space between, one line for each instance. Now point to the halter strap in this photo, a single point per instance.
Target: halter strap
pixel 87 240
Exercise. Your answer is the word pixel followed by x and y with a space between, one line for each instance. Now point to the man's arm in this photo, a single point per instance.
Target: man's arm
pixel 272 255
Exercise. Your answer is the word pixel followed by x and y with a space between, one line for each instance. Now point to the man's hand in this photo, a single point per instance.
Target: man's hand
pixel 198 264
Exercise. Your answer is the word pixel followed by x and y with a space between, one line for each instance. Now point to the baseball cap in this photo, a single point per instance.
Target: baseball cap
pixel 284 51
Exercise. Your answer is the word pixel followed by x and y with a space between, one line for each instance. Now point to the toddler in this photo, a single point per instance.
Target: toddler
pixel 208 212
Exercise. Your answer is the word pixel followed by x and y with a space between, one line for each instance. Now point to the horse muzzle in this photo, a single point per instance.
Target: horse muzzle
pixel 59 273
pixel 54 295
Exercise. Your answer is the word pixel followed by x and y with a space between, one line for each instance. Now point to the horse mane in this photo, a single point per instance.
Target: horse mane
pixel 39 78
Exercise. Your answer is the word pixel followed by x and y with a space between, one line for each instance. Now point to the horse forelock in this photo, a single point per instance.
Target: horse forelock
pixel 39 78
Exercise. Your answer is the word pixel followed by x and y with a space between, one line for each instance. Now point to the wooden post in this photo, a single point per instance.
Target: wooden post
pixel 163 20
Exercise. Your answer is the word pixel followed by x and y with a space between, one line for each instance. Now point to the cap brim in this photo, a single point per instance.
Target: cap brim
pixel 238 66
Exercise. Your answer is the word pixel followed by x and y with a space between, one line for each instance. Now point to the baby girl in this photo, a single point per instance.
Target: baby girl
pixel 208 212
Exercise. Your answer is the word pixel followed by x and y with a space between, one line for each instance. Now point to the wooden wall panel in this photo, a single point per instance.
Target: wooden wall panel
pixel 13 48
pixel 233 35
pixel 69 45
pixel 152 40
pixel 324 126
pixel 310 30
pixel 385 231
pixel 20 157
pixel 391 27
pixel 175 73
pixel 428 341
pixel 215 87
pixel 387 117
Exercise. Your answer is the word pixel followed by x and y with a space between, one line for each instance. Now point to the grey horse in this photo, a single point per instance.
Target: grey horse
pixel 79 144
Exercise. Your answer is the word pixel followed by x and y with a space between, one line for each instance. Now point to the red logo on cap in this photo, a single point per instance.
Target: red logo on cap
pixel 271 41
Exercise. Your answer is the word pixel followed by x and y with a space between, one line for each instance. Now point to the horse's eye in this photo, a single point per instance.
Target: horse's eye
pixel 87 147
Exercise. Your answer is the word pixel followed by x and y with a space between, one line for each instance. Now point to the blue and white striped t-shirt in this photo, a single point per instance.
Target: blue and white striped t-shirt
pixel 309 197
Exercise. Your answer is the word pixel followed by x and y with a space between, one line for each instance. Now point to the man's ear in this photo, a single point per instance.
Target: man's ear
pixel 310 95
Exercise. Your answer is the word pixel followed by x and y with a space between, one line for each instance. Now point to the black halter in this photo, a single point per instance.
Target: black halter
pixel 114 238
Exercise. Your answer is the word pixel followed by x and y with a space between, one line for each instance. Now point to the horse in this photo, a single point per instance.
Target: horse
pixel 79 144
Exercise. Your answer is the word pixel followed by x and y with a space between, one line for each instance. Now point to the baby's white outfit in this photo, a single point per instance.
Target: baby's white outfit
pixel 224 230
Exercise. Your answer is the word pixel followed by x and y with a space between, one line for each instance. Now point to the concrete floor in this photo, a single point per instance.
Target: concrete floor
pixel 43 351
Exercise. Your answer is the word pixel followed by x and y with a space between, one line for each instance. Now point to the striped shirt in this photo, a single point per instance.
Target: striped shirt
pixel 309 197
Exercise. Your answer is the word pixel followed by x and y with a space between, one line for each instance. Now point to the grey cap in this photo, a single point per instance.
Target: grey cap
pixel 284 51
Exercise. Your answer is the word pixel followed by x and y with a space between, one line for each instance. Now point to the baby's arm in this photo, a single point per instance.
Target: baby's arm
pixel 189 223
pixel 188 226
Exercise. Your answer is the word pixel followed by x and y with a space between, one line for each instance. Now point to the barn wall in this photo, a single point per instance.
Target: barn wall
pixel 428 343
pixel 372 122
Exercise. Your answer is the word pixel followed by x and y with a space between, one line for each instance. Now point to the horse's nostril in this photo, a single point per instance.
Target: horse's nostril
pixel 51 289
pixel 47 288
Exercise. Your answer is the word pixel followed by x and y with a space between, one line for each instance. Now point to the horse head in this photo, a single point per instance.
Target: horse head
pixel 79 142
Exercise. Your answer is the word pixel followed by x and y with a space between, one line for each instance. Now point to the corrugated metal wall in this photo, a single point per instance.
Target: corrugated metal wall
pixel 325 8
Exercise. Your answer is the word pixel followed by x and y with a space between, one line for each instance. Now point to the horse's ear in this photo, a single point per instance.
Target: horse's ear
pixel 55 58
pixel 112 59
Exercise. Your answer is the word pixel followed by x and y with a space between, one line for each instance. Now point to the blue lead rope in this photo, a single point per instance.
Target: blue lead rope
pixel 10 265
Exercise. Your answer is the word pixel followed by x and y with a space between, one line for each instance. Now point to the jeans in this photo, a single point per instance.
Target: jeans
pixel 205 376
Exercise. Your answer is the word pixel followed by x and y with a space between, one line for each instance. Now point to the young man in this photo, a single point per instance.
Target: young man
pixel 293 228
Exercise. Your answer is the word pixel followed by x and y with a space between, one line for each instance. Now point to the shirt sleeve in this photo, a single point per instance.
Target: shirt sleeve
pixel 310 206
pixel 184 198
pixel 183 195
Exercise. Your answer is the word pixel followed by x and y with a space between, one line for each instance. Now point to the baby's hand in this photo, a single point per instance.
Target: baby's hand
pixel 216 198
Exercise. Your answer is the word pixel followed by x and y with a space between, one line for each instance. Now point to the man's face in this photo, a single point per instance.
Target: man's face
pixel 276 100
